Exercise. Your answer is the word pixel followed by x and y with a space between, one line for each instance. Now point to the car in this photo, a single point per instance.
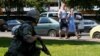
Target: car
pixel 54 15
pixel 95 32
pixel 12 23
pixel 47 26
pixel 88 24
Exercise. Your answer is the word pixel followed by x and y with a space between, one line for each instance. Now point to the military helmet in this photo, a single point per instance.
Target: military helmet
pixel 34 14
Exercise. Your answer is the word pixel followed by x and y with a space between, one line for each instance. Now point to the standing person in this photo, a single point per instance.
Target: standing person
pixel 62 15
pixel 72 27
pixel 24 40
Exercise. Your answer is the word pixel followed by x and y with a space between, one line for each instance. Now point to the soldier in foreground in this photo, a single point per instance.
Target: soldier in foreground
pixel 24 41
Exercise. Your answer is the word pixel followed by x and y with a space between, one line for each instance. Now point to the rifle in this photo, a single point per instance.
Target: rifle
pixel 44 48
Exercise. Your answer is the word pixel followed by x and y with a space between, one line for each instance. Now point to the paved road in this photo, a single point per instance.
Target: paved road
pixel 9 34
pixel 84 37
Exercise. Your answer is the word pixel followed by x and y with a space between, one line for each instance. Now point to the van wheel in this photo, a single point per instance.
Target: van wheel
pixel 52 33
pixel 96 35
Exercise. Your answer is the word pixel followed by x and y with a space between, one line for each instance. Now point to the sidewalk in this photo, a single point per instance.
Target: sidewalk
pixel 83 38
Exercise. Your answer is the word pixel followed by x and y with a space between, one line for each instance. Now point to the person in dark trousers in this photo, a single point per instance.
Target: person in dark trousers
pixel 62 15
pixel 24 40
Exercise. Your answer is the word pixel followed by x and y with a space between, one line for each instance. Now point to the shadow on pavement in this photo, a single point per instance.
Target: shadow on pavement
pixel 5 42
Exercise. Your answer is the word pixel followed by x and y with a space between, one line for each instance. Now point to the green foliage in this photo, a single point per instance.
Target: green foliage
pixel 36 3
pixel 85 4
pixel 1 3
pixel 23 3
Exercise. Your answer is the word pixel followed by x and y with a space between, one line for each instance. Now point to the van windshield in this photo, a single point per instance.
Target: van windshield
pixel 77 14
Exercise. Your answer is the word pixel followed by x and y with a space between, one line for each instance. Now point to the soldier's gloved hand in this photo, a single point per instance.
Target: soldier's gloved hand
pixel 30 38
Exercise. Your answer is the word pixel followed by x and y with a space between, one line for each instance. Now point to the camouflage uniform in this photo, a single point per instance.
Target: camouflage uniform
pixel 20 45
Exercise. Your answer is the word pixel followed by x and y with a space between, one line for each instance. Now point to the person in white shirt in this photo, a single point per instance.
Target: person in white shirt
pixel 62 15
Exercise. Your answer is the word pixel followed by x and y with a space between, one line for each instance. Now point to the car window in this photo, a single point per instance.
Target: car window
pixel 43 15
pixel 12 21
pixel 44 20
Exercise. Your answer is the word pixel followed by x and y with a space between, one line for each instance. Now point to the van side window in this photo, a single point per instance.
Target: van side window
pixel 53 15
pixel 50 15
pixel 43 15
pixel 88 23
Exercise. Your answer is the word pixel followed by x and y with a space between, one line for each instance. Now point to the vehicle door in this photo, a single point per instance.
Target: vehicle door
pixel 43 26
pixel 53 15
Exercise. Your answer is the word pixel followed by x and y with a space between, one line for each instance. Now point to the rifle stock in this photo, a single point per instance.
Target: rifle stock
pixel 44 48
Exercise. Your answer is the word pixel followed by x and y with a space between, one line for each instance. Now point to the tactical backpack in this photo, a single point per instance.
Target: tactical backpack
pixel 15 29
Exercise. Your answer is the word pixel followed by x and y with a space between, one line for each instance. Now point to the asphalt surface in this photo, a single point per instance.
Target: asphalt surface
pixel 84 37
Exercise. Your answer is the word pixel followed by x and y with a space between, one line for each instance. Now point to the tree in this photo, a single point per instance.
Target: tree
pixel 84 4
pixel 37 4
pixel 19 4
pixel 1 4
